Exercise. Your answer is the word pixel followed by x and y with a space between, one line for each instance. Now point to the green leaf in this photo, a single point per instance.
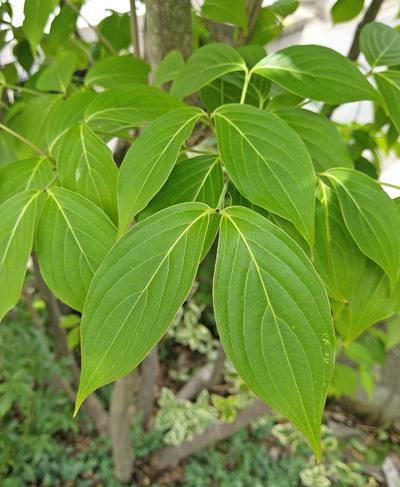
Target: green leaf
pixel 266 28
pixel 234 13
pixel 283 8
pixel 205 65
pixel 118 70
pixel 344 381
pixel 380 44
pixel 257 149
pixel 337 259
pixel 150 160
pixel 370 216
pixel 320 136
pixel 169 68
pixel 128 106
pixel 86 166
pixel 73 238
pixel 58 76
pixel 289 228
pixel 137 291
pixel 236 199
pixel 318 73
pixel 274 319
pixel 63 25
pixel 20 176
pixel 389 87
pixel 345 10
pixel 116 29
pixel 371 301
pixel 195 179
pixel 64 114
pixel 23 53
pixel 36 15
pixel 16 239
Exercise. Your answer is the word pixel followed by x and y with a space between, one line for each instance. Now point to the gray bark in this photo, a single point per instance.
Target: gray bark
pixel 148 380
pixel 121 399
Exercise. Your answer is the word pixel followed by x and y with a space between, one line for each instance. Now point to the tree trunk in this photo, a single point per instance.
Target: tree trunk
pixel 148 379
pixel 121 433
pixel 168 27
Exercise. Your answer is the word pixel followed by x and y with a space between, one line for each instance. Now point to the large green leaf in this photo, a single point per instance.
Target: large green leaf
pixel 205 65
pixel 74 236
pixel 232 13
pixel 318 73
pixel 20 176
pixel 389 87
pixel 266 28
pixel 137 292
pixel 150 160
pixel 128 106
pixel 268 163
pixel 118 70
pixel 58 76
pixel 337 259
pixel 380 44
pixel 36 15
pixel 371 301
pixel 63 25
pixel 64 114
pixel 345 10
pixel 86 166
pixel 321 138
pixel 16 238
pixel 370 216
pixel 116 29
pixel 274 319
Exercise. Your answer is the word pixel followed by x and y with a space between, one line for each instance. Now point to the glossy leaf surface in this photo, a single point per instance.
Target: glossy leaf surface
pixel 205 65
pixel 370 216
pixel 274 319
pixel 268 163
pixel 150 160
pixel 73 238
pixel 322 139
pixel 137 292
pixel 86 166
pixel 380 44
pixel 318 73
pixel 16 239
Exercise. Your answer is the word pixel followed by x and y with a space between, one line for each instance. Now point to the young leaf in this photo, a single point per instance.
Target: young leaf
pixel 169 68
pixel 86 166
pixel 380 44
pixel 318 73
pixel 322 139
pixel 118 70
pixel 74 236
pixel 150 160
pixel 36 15
pixel 128 106
pixel 20 176
pixel 258 149
pixel 58 76
pixel 337 259
pixel 137 292
pixel 205 65
pixel 345 10
pixel 234 13
pixel 389 87
pixel 274 319
pixel 16 238
pixel 266 28
pixel 370 216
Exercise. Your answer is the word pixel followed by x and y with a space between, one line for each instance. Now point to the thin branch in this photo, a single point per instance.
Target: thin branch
pixel 253 8
pixel 96 31
pixel 134 29
pixel 170 455
pixel 217 373
pixel 370 16
pixel 26 141
pixel 196 384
